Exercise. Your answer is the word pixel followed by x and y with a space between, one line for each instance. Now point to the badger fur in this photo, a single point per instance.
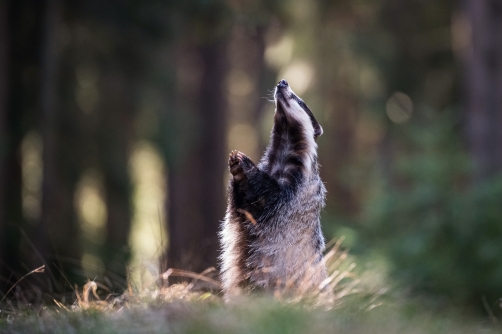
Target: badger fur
pixel 271 237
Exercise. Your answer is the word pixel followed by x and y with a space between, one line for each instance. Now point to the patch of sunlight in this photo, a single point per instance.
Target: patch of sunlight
pixel 92 266
pixel 280 53
pixel 148 237
pixel 244 138
pixel 399 107
pixel 31 157
pixel 461 34
pixel 90 206
pixel 299 75
pixel 239 83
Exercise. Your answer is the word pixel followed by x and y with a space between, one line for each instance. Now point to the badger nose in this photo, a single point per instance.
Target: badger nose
pixel 283 83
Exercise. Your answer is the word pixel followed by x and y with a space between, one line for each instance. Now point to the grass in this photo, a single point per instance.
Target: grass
pixel 175 310
pixel 361 306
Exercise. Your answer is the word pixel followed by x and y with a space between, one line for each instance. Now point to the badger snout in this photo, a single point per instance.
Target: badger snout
pixel 283 91
pixel 282 84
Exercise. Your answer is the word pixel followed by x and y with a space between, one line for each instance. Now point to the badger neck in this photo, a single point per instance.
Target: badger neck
pixel 292 148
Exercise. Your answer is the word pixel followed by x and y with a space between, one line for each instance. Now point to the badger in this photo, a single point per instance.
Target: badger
pixel 271 236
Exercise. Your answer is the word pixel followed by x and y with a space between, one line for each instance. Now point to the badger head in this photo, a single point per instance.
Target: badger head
pixel 288 103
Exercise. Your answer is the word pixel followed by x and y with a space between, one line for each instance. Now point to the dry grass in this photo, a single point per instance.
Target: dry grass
pixel 341 283
pixel 184 308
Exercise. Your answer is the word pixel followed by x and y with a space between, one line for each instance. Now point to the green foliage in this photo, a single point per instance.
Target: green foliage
pixel 442 233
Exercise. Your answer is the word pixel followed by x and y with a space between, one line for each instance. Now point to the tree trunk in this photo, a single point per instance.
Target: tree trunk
pixel 115 134
pixel 57 233
pixel 483 85
pixel 4 40
pixel 196 189
pixel 13 57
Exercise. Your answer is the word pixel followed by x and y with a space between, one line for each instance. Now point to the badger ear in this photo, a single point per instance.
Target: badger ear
pixel 317 131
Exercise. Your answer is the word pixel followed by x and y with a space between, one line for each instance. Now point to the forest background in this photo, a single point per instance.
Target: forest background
pixel 116 119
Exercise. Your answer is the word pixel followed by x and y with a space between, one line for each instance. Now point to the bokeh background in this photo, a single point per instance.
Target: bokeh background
pixel 116 119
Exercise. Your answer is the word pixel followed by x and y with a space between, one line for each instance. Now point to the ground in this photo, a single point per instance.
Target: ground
pixel 177 310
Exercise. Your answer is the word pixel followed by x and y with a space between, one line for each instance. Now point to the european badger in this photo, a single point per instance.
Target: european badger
pixel 271 237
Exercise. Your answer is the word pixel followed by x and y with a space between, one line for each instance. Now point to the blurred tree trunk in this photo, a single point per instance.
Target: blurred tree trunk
pixel 12 217
pixel 57 237
pixel 114 143
pixel 4 60
pixel 17 53
pixel 483 84
pixel 340 133
pixel 196 189
pixel 342 108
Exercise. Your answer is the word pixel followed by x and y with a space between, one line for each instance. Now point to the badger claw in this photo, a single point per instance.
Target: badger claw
pixel 238 163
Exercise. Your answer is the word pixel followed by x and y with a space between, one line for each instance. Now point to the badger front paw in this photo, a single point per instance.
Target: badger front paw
pixel 239 164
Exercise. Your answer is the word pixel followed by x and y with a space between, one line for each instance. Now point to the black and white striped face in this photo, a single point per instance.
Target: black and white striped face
pixel 287 102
